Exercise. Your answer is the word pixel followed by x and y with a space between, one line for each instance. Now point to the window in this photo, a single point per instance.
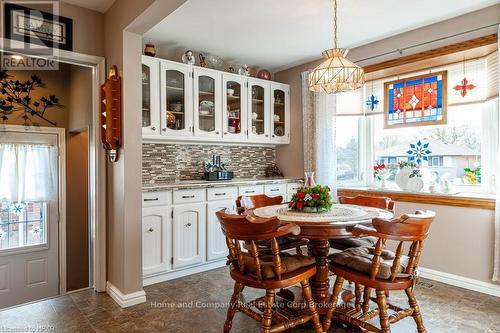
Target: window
pixel 459 151
pixel 22 224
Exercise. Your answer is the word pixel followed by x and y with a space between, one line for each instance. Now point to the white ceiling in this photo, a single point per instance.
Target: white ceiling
pixel 97 5
pixel 279 33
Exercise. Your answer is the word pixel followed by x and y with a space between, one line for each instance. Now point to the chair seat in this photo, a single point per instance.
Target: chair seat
pixel 289 263
pixel 360 260
pixel 346 243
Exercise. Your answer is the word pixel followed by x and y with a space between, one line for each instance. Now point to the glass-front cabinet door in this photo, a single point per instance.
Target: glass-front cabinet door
pixel 150 96
pixel 280 113
pixel 234 107
pixel 176 99
pixel 207 103
pixel 258 110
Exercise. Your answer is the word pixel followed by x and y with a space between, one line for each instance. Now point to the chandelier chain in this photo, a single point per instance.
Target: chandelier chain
pixel 335 23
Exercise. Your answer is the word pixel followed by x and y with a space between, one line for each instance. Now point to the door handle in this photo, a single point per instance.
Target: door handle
pixel 188 196
pixel 249 191
pixel 187 225
pixel 220 193
pixel 152 199
pixel 274 189
pixel 151 229
pixel 153 128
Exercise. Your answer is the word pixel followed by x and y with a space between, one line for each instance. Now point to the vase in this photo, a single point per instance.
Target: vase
pixel 309 179
pixel 415 184
pixel 402 178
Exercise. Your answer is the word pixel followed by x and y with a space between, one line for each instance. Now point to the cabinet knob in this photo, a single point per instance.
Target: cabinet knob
pixel 225 133
pixel 273 135
pixel 151 229
pixel 164 129
pixel 216 132
pixel 153 128
pixel 187 225
pixel 267 135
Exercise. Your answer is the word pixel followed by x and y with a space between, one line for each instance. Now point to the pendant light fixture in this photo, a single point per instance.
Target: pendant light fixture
pixel 336 73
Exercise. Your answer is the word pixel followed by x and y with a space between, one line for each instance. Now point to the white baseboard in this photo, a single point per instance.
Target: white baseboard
pixel 125 300
pixel 460 281
pixel 162 277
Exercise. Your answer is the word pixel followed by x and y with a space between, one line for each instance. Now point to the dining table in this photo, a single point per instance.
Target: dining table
pixel 319 228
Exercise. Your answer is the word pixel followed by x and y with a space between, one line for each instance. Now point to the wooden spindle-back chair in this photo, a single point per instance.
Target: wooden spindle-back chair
pixel 386 271
pixel 248 202
pixel 367 201
pixel 268 272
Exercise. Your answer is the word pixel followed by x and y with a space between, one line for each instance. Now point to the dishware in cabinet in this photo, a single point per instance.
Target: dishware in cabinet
pixel 207 102
pixel 188 234
pixel 150 96
pixel 280 113
pixel 259 110
pixel 156 239
pixel 176 90
pixel 234 106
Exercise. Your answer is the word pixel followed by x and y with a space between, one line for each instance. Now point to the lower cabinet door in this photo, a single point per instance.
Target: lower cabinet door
pixel 216 241
pixel 156 239
pixel 188 234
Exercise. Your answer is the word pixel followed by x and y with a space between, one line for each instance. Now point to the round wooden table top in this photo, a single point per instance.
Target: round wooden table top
pixel 335 223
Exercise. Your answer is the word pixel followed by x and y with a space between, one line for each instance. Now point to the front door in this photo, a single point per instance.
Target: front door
pixel 29 214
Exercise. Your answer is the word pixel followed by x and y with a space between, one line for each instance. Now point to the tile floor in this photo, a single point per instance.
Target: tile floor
pixel 192 304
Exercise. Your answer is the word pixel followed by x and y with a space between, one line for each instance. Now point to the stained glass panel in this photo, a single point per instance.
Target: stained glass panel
pixel 416 101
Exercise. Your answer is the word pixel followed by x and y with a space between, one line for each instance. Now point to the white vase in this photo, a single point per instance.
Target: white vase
pixel 402 178
pixel 415 184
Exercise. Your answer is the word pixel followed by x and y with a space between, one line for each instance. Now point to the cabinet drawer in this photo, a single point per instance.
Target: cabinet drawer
pixel 222 193
pixel 162 198
pixel 188 196
pixel 251 190
pixel 273 190
pixel 291 188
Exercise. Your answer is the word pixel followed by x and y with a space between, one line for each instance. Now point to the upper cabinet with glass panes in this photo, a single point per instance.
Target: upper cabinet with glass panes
pixel 190 103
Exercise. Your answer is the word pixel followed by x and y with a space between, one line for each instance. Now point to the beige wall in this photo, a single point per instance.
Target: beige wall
pixel 80 98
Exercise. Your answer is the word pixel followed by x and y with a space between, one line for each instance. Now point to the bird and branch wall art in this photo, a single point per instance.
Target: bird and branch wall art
pixel 16 96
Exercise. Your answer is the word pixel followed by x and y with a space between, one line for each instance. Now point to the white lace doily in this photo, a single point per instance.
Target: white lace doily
pixel 338 213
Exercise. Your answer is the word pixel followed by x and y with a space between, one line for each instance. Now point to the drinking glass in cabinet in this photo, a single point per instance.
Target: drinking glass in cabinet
pixel 279 113
pixel 233 97
pixel 146 96
pixel 175 100
pixel 258 114
pixel 206 109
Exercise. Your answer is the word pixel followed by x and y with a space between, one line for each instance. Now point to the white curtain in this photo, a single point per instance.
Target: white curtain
pixel 27 172
pixel 318 112
pixel 492 109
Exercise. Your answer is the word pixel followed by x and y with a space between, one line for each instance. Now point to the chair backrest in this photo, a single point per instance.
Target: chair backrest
pixel 408 228
pixel 238 228
pixel 256 201
pixel 369 201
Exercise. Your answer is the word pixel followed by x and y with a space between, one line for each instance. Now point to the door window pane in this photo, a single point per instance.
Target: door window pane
pixel 206 98
pixel 146 96
pixel 258 116
pixel 279 113
pixel 233 96
pixel 22 224
pixel 175 100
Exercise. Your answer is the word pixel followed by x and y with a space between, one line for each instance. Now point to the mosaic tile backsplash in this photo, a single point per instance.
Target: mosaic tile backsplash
pixel 166 163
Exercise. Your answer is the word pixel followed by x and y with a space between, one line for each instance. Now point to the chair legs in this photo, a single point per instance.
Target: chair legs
pixel 417 315
pixel 306 291
pixel 268 312
pixel 332 303
pixel 238 287
pixel 384 316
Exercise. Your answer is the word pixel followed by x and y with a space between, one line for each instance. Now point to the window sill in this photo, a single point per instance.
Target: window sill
pixel 470 200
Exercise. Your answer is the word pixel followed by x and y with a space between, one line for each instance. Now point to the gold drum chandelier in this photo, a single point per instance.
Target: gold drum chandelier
pixel 336 73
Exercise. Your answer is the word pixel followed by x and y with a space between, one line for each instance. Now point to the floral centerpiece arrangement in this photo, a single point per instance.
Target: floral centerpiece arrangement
pixel 312 199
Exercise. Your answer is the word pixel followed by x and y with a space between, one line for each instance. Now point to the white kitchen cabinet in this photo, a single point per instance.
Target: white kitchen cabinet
pixel 176 93
pixel 189 228
pixel 259 110
pixel 280 113
pixel 274 190
pixel 150 96
pixel 207 103
pixel 216 241
pixel 234 107
pixel 156 239
pixel 250 190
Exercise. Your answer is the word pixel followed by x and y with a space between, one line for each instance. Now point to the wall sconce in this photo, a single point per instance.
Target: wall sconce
pixel 111 114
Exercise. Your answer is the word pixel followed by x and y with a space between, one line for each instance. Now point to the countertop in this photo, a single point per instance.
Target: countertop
pixel 189 184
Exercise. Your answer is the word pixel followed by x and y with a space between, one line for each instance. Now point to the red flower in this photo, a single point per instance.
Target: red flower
pixel 300 195
pixel 315 196
pixel 299 205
